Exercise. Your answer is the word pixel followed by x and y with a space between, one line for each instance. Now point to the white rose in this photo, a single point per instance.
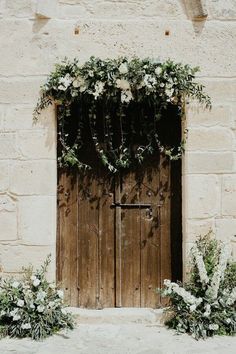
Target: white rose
pixel 126 96
pixel 15 284
pixel 158 70
pixel 213 327
pixel 41 295
pixel 40 308
pixel 192 308
pixel 26 326
pixel 60 293
pixel 36 282
pixel 123 84
pixel 20 303
pixel 16 317
pixel 123 68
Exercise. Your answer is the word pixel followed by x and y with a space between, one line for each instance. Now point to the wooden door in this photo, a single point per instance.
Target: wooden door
pixel 114 236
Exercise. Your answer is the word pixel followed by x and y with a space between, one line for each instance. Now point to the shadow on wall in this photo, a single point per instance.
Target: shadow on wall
pixel 196 11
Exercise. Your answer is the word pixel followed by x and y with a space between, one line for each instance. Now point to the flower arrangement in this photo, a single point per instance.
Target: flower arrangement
pixel 205 305
pixel 32 307
pixel 116 106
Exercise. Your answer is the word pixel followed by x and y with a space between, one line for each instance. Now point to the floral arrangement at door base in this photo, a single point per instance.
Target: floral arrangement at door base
pixel 32 307
pixel 205 305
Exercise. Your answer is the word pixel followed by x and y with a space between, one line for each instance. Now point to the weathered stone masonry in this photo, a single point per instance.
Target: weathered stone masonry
pixel 31 44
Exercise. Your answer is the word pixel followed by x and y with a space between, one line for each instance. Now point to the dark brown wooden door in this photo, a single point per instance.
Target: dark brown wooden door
pixel 114 233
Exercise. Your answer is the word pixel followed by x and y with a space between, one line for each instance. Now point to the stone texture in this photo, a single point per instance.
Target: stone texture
pixel 20 117
pixel 46 8
pixel 210 139
pixel 37 144
pixel 8 146
pixel 8 218
pixel 40 211
pixel 14 256
pixel 214 162
pixel 33 177
pixel 219 115
pixel 201 196
pixel 226 229
pixel 196 228
pixel 4 176
pixel 229 195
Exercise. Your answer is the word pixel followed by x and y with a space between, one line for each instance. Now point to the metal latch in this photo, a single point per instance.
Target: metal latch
pixel 130 205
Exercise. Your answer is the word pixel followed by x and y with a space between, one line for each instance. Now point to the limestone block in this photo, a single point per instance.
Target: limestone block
pixel 37 220
pixel 13 257
pixel 226 229
pixel 219 115
pixel 210 139
pixel 213 162
pixel 20 117
pixel 221 91
pixel 43 46
pixel 46 8
pixel 196 228
pixel 222 10
pixel 229 195
pixel 20 90
pixel 8 146
pixel 4 176
pixel 33 177
pixel 37 144
pixel 22 8
pixel 8 218
pixel 201 196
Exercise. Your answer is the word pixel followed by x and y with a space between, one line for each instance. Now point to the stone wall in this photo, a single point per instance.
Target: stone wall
pixel 31 44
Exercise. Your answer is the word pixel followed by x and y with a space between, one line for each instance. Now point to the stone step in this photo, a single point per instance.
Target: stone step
pixel 123 315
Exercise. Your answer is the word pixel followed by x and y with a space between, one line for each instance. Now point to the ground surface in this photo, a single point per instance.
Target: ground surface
pixel 119 335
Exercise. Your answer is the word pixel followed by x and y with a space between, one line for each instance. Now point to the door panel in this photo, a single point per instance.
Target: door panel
pixel 113 245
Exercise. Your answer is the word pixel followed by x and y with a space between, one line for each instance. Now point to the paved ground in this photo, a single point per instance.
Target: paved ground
pixel 95 336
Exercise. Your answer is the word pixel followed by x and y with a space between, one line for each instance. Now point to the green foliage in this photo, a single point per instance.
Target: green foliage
pixel 32 307
pixel 205 304
pixel 121 103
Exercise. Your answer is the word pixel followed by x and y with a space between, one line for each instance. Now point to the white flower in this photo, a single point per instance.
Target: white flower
pixel 13 312
pixel 26 326
pixel 167 282
pixel 40 308
pixel 20 303
pixel 52 286
pixel 80 82
pixel 32 306
pixel 213 327
pixel 41 295
pixel 169 92
pixel 232 297
pixel 99 87
pixel 60 293
pixel 192 308
pixel 2 313
pixel 218 275
pixel 200 265
pixel 149 81
pixel 126 96
pixel 15 284
pixel 123 84
pixel 64 82
pixel 33 277
pixel 91 73
pixel 16 317
pixel 36 282
pixel 51 304
pixel 123 68
pixel 228 320
pixel 158 70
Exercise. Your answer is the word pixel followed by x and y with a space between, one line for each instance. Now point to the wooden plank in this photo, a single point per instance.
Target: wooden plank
pixel 130 244
pixel 67 236
pixel 106 243
pixel 88 238
pixel 118 253
pixel 150 238
pixel 165 218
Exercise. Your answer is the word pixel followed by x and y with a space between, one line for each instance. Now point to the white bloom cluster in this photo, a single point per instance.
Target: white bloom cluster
pixel 200 265
pixel 186 295
pixel 218 275
pixel 123 68
pixel 232 297
pixel 99 87
pixel 149 81
pixel 207 310
pixel 80 82
pixel 126 94
pixel 64 82
pixel 213 327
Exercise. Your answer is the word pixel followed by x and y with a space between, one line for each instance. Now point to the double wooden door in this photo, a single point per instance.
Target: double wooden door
pixel 114 236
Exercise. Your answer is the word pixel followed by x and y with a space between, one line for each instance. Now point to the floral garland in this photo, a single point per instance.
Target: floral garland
pixel 121 103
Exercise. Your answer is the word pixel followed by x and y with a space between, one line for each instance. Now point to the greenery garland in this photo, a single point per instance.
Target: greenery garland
pixel 116 106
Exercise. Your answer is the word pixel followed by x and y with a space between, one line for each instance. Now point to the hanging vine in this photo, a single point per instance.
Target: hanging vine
pixel 117 108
